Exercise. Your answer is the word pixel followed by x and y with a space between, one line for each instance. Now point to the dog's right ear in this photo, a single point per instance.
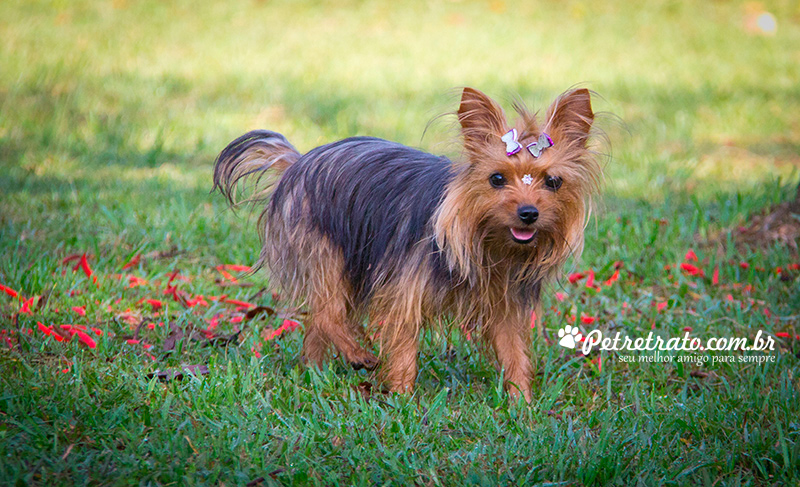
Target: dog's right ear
pixel 482 120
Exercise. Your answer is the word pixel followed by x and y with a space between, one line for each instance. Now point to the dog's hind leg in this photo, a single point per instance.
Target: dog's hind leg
pixel 330 312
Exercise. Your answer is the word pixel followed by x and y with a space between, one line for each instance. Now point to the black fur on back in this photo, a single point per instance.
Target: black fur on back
pixel 371 197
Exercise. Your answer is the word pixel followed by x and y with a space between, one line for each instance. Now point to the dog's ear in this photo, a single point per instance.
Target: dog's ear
pixel 482 120
pixel 570 117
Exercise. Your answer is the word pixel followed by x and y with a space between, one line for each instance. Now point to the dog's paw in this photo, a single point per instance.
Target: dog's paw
pixel 366 361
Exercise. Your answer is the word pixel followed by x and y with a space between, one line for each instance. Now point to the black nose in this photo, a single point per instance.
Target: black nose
pixel 528 214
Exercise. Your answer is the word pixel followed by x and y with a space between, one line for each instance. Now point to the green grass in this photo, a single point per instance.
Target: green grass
pixel 111 114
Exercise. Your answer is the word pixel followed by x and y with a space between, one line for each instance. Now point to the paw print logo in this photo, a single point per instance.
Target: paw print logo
pixel 569 336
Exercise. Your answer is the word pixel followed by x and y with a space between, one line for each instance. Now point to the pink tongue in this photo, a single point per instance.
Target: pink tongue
pixel 522 233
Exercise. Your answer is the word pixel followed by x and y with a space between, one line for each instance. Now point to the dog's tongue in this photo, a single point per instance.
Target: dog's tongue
pixel 522 233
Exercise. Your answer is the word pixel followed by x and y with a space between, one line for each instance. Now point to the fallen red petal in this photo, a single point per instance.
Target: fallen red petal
pixel 9 291
pixel 290 325
pixel 44 329
pixel 81 310
pixel 85 339
pixel 70 258
pixel 134 281
pixel 614 277
pixel 575 277
pixel 26 307
pixel 133 262
pixel 239 303
pixel 236 268
pixel 590 278
pixel 691 269
pixel 227 275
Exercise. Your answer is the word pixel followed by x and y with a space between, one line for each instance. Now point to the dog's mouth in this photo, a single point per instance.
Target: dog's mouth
pixel 523 235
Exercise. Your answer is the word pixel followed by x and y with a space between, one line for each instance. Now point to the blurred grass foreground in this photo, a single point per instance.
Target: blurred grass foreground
pixel 111 115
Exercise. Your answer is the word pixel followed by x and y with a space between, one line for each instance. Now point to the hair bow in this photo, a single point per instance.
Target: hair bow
pixel 537 147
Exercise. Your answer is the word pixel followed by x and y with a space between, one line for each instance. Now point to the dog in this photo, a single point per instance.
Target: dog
pixel 365 229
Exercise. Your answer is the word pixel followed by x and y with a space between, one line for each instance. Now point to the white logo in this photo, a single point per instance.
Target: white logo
pixel 569 336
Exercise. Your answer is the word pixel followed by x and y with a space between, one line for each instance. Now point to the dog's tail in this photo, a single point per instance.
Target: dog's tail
pixel 256 159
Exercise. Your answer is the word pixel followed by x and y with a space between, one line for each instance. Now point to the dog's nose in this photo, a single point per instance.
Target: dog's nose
pixel 528 214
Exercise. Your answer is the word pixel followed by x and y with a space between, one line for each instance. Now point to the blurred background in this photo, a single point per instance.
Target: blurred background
pixel 112 112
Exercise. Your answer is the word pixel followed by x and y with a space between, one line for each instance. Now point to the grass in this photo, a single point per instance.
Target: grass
pixel 111 115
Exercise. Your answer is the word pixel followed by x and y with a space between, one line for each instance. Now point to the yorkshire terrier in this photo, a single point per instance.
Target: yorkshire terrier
pixel 368 229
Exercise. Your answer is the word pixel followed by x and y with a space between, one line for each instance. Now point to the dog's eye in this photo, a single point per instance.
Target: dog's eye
pixel 497 180
pixel 552 182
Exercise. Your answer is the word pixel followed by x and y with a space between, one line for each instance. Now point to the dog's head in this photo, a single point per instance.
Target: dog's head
pixel 521 191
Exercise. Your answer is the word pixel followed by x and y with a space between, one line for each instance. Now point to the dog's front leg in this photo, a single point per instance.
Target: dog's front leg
pixel 510 338
pixel 401 350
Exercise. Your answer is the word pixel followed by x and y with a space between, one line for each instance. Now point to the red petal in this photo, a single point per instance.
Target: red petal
pixel 691 269
pixel 227 275
pixel 81 310
pixel 690 255
pixel 290 325
pixel 26 307
pixel 715 276
pixel 236 268
pixel 661 306
pixel 44 329
pixel 561 296
pixel 9 291
pixel 613 278
pixel 134 281
pixel 590 278
pixel 588 320
pixel 156 304
pixel 84 264
pixel 133 262
pixel 782 334
pixel 85 339
pixel 573 278
pixel 70 258
pixel 240 303
pixel 744 265
pixel 533 319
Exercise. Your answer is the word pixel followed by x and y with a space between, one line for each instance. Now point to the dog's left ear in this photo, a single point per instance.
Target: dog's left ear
pixel 570 117
pixel 482 120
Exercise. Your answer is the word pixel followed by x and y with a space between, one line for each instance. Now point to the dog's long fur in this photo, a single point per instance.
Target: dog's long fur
pixel 367 228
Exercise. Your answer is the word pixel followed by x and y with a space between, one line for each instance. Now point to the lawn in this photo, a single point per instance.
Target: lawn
pixel 135 348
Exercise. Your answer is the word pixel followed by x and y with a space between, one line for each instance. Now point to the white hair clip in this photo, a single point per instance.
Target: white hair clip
pixel 527 179
pixel 512 145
